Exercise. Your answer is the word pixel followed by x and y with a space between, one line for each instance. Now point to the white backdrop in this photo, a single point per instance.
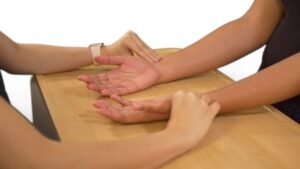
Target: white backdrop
pixel 161 23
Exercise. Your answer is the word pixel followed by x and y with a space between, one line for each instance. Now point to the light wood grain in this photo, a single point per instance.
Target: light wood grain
pixel 258 138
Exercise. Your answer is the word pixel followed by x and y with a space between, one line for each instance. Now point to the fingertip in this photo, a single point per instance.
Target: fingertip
pixel 116 97
pixel 81 77
pixel 99 104
pixel 103 112
pixel 215 107
pixel 96 105
pixel 105 92
pixel 92 87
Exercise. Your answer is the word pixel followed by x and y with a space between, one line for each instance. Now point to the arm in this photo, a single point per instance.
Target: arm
pixel 42 59
pixel 226 44
pixel 273 84
pixel 23 147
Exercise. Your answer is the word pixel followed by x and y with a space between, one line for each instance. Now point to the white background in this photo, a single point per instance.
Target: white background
pixel 161 23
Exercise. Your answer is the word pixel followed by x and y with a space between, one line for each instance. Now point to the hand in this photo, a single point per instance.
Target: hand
pixel 135 112
pixel 131 44
pixel 191 116
pixel 133 74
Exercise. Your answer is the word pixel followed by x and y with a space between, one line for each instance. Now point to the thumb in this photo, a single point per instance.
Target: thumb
pixel 110 60
pixel 177 99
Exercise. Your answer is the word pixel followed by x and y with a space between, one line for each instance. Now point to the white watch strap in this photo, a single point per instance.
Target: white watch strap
pixel 95 50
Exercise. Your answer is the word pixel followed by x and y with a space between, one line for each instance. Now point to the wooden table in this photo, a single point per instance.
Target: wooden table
pixel 256 138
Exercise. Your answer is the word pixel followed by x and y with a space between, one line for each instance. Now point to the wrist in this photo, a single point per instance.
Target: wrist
pixel 165 104
pixel 179 140
pixel 160 72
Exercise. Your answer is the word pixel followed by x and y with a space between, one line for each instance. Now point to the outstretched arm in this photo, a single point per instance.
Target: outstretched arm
pixel 273 84
pixel 43 59
pixel 226 44
pixel 23 147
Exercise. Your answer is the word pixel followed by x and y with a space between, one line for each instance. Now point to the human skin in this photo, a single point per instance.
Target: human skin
pixel 232 41
pixel 24 147
pixel 44 59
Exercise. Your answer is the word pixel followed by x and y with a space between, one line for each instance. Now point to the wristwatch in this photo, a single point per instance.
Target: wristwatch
pixel 95 50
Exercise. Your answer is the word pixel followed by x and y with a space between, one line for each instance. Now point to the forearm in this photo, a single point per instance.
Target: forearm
pixel 146 152
pixel 224 45
pixel 21 146
pixel 276 83
pixel 20 142
pixel 40 59
pixel 43 59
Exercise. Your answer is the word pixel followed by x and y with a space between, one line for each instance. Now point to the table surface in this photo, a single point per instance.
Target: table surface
pixel 257 138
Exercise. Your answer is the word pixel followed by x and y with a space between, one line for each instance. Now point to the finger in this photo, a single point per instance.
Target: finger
pixel 146 54
pixel 206 99
pixel 95 84
pixel 121 100
pixel 117 114
pixel 121 90
pixel 138 51
pixel 191 95
pixel 214 108
pixel 102 107
pixel 177 98
pixel 105 112
pixel 101 104
pixel 102 77
pixel 132 116
pixel 93 87
pixel 111 112
pixel 107 92
pixel 141 49
pixel 96 87
pixel 110 90
pixel 148 50
pixel 85 78
pixel 110 60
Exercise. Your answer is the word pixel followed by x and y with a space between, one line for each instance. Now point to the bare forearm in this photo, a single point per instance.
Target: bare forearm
pixel 40 59
pixel 43 59
pixel 224 45
pixel 146 152
pixel 20 142
pixel 276 83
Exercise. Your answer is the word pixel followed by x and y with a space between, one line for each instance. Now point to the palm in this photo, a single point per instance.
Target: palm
pixel 134 112
pixel 133 74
